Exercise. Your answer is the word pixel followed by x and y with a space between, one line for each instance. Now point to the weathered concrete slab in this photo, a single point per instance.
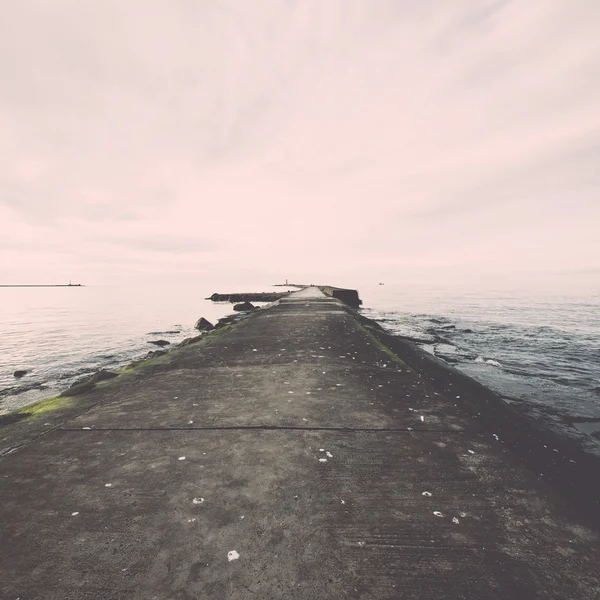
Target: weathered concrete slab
pixel 357 525
pixel 364 499
pixel 302 395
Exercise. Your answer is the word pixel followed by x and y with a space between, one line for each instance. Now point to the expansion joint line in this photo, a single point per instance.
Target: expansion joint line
pixel 266 428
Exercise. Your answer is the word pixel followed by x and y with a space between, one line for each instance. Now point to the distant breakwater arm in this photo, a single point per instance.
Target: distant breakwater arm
pixel 39 285
pixel 247 297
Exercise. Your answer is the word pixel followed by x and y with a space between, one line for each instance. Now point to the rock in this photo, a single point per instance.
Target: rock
pixel 159 342
pixel 20 373
pixel 155 354
pixel 467 331
pixel 102 375
pixel 79 388
pixel 191 340
pixel 243 306
pixel 165 332
pixel 222 322
pixel 92 380
pixel 203 325
pixel 448 327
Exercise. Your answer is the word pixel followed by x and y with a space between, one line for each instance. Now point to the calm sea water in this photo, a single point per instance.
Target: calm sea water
pixel 540 346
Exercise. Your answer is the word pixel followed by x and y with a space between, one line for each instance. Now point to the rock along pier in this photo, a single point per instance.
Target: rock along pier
pixel 292 455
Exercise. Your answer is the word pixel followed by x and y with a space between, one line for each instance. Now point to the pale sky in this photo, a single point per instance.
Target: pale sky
pixel 325 141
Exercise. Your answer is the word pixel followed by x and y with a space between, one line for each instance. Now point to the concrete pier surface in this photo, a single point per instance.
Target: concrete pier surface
pixel 290 456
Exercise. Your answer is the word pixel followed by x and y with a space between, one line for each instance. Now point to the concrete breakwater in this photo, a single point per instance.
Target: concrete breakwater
pixel 295 453
pixel 347 296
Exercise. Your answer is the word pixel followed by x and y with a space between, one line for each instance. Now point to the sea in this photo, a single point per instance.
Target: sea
pixel 533 344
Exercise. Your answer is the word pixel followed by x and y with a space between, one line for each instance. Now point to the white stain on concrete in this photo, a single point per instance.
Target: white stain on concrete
pixel 329 454
pixel 455 520
pixel 198 500
pixel 422 419
pixel 428 494
pixel 233 555
pixel 108 485
pixel 74 514
pixel 437 513
pixel 181 458
pixel 323 460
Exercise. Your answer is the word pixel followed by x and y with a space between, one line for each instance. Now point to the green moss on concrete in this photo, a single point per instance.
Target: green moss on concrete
pixel 393 356
pixel 135 365
pixel 219 331
pixel 45 406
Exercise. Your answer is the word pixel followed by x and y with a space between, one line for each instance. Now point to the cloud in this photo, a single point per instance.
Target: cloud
pixel 299 136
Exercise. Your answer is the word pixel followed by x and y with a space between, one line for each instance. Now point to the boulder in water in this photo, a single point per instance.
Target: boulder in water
pixel 20 373
pixel 86 384
pixel 171 332
pixel 155 354
pixel 79 388
pixel 159 342
pixel 102 375
pixel 189 341
pixel 243 306
pixel 203 325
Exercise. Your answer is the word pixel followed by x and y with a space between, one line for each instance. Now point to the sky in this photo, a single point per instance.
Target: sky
pixel 331 141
